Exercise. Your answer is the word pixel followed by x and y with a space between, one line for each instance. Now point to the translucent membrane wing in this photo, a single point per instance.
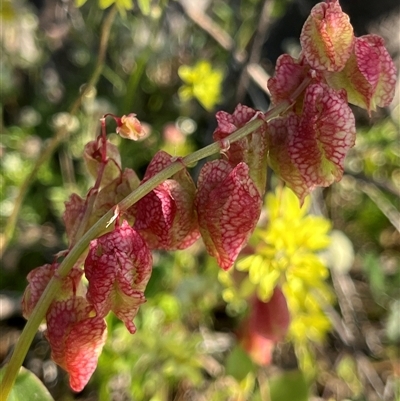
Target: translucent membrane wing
pixel 369 76
pixel 309 151
pixel 93 159
pixel 327 37
pixel 228 206
pixel 252 149
pixel 118 268
pixel 289 73
pixel 325 133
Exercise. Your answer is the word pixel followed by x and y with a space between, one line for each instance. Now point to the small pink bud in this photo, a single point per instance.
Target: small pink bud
pixel 76 338
pixel 327 37
pixel 259 348
pixel 118 268
pixel 129 127
pixel 228 206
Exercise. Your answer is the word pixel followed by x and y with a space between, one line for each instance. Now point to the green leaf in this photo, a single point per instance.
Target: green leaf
pixel 239 364
pixel 392 323
pixel 376 276
pixel 79 3
pixel 144 6
pixel 27 387
pixel 289 386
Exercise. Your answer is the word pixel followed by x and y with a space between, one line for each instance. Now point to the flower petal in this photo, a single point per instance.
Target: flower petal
pixel 279 158
pixel 75 209
pixel 289 73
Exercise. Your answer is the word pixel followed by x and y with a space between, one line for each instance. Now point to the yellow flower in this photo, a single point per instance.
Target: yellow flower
pixel 285 254
pixel 122 5
pixel 202 83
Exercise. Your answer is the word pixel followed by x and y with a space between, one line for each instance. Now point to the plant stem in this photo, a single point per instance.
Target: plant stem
pixel 103 223
pixel 61 135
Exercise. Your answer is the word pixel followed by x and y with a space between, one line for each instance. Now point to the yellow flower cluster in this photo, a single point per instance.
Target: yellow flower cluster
pixel 284 252
pixel 202 83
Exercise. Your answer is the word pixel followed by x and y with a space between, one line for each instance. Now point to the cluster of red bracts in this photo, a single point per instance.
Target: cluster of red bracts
pixel 223 209
pixel 306 147
pixel 308 144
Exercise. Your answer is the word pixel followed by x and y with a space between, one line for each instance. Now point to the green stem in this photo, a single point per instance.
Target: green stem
pixel 100 227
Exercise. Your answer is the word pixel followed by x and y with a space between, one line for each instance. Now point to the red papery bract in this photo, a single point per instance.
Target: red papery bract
pixel 369 76
pixel 118 268
pixel 39 278
pixel 280 130
pixel 327 37
pixel 228 206
pixel 75 209
pixel 312 150
pixel 76 338
pixel 113 193
pixel 92 155
pixel 252 149
pixel 267 324
pixel 165 217
pixel 289 74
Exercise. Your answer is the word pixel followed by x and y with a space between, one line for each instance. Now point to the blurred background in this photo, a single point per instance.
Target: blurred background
pixel 174 64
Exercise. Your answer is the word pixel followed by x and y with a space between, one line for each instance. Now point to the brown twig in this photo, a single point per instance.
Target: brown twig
pixel 255 52
pixel 61 135
pixel 208 25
